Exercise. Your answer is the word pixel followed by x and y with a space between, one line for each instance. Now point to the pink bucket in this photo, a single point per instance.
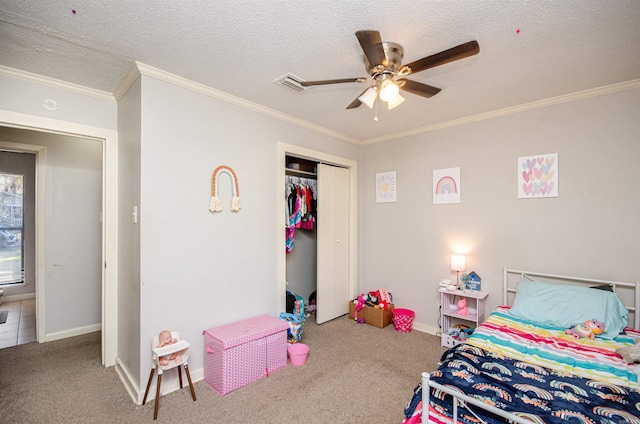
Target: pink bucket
pixel 403 319
pixel 298 353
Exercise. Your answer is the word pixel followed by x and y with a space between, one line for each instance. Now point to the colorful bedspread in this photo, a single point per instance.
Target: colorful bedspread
pixel 544 375
pixel 551 348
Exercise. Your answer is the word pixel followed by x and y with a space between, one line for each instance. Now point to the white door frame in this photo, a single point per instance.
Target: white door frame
pixel 283 150
pixel 109 139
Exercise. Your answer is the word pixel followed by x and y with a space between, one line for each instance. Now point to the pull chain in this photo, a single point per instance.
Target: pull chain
pixel 375 115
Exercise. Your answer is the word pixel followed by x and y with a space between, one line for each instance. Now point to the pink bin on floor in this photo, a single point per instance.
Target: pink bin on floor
pixel 242 352
pixel 403 319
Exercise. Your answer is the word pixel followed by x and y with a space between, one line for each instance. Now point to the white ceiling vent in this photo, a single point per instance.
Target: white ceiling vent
pixel 291 81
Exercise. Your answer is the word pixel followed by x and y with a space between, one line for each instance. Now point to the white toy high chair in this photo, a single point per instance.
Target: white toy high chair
pixel 182 347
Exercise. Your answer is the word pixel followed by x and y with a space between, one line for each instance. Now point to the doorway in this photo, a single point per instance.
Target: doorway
pixel 109 214
pixel 69 302
pixel 350 166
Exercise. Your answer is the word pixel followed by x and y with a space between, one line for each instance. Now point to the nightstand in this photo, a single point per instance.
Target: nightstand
pixel 449 316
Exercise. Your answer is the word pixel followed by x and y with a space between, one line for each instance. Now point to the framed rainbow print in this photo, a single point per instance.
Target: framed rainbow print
pixel 538 176
pixel 386 187
pixel 446 186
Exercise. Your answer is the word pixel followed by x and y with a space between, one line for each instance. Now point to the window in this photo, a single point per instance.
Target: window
pixel 11 229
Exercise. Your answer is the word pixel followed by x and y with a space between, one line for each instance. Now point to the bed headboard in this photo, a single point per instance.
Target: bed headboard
pixel 510 282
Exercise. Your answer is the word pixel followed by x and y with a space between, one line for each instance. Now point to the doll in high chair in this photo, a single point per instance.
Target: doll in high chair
pixel 165 339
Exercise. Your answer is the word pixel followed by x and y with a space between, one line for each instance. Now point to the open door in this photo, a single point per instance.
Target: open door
pixel 333 242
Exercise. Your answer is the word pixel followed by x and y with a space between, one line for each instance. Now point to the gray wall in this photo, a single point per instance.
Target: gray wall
pixel 591 230
pixel 302 264
pixel 73 235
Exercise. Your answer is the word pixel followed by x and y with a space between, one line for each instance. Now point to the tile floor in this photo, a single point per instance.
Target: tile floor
pixel 20 327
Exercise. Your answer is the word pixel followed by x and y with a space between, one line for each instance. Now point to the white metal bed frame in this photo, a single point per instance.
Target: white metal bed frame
pixel 463 400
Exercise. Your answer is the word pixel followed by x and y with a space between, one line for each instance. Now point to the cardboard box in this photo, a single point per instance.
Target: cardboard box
pixel 378 317
pixel 373 316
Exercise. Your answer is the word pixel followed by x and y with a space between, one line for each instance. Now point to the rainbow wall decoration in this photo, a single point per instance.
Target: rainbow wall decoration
pixel 214 204
pixel 446 186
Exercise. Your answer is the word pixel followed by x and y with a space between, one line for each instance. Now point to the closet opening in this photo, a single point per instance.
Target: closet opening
pixel 301 185
pixel 323 257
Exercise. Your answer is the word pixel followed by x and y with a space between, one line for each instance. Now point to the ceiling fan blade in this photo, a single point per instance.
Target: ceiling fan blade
pixel 356 103
pixel 418 88
pixel 450 55
pixel 371 44
pixel 333 81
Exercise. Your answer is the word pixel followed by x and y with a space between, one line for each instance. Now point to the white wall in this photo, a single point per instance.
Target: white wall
pixel 89 108
pixel 591 230
pixel 129 151
pixel 73 240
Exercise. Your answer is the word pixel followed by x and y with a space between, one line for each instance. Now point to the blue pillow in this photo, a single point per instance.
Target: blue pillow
pixel 563 306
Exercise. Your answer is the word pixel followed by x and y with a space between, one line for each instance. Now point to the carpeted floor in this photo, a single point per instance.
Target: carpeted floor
pixel 355 373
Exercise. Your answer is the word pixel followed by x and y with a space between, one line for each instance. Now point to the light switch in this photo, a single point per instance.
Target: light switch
pixel 135 214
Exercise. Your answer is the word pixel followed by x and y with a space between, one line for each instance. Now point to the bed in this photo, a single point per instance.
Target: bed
pixel 520 366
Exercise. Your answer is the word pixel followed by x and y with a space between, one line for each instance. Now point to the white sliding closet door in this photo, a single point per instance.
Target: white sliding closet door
pixel 333 243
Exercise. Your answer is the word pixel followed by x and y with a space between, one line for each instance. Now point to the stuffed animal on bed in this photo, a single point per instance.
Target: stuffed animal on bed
pixel 630 354
pixel 588 330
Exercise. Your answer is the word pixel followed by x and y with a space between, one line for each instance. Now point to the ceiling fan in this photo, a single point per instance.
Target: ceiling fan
pixel 383 61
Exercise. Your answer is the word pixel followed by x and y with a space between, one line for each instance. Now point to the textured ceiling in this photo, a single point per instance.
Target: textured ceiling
pixel 529 50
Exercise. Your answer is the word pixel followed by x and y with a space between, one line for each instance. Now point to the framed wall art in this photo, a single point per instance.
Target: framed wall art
pixel 386 187
pixel 538 176
pixel 446 186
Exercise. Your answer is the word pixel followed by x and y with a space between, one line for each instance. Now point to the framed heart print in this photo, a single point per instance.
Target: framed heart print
pixel 538 176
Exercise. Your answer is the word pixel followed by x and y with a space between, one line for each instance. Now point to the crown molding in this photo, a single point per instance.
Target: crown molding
pixel 149 71
pixel 572 97
pixel 55 83
pixel 139 68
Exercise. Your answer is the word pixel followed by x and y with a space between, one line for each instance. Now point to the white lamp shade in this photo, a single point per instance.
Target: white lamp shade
pixel 458 262
pixel 369 97
pixel 395 102
pixel 388 90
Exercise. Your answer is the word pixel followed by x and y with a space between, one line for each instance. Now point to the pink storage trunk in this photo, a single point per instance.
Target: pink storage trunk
pixel 240 353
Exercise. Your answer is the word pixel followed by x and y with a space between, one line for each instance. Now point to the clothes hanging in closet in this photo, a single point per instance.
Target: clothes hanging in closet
pixel 301 195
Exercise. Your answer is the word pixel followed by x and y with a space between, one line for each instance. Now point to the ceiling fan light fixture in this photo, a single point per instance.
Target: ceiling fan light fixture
pixel 395 102
pixel 388 90
pixel 369 97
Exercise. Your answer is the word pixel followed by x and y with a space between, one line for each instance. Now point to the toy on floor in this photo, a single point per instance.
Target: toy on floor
pixel 312 307
pixel 165 340
pixel 360 302
pixel 379 299
pixel 462 307
pixel 588 330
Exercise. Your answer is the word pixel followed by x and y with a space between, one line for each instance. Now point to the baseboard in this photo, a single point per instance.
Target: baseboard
pixel 72 332
pixel 128 382
pixel 18 297
pixel 170 382
pixel 425 328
